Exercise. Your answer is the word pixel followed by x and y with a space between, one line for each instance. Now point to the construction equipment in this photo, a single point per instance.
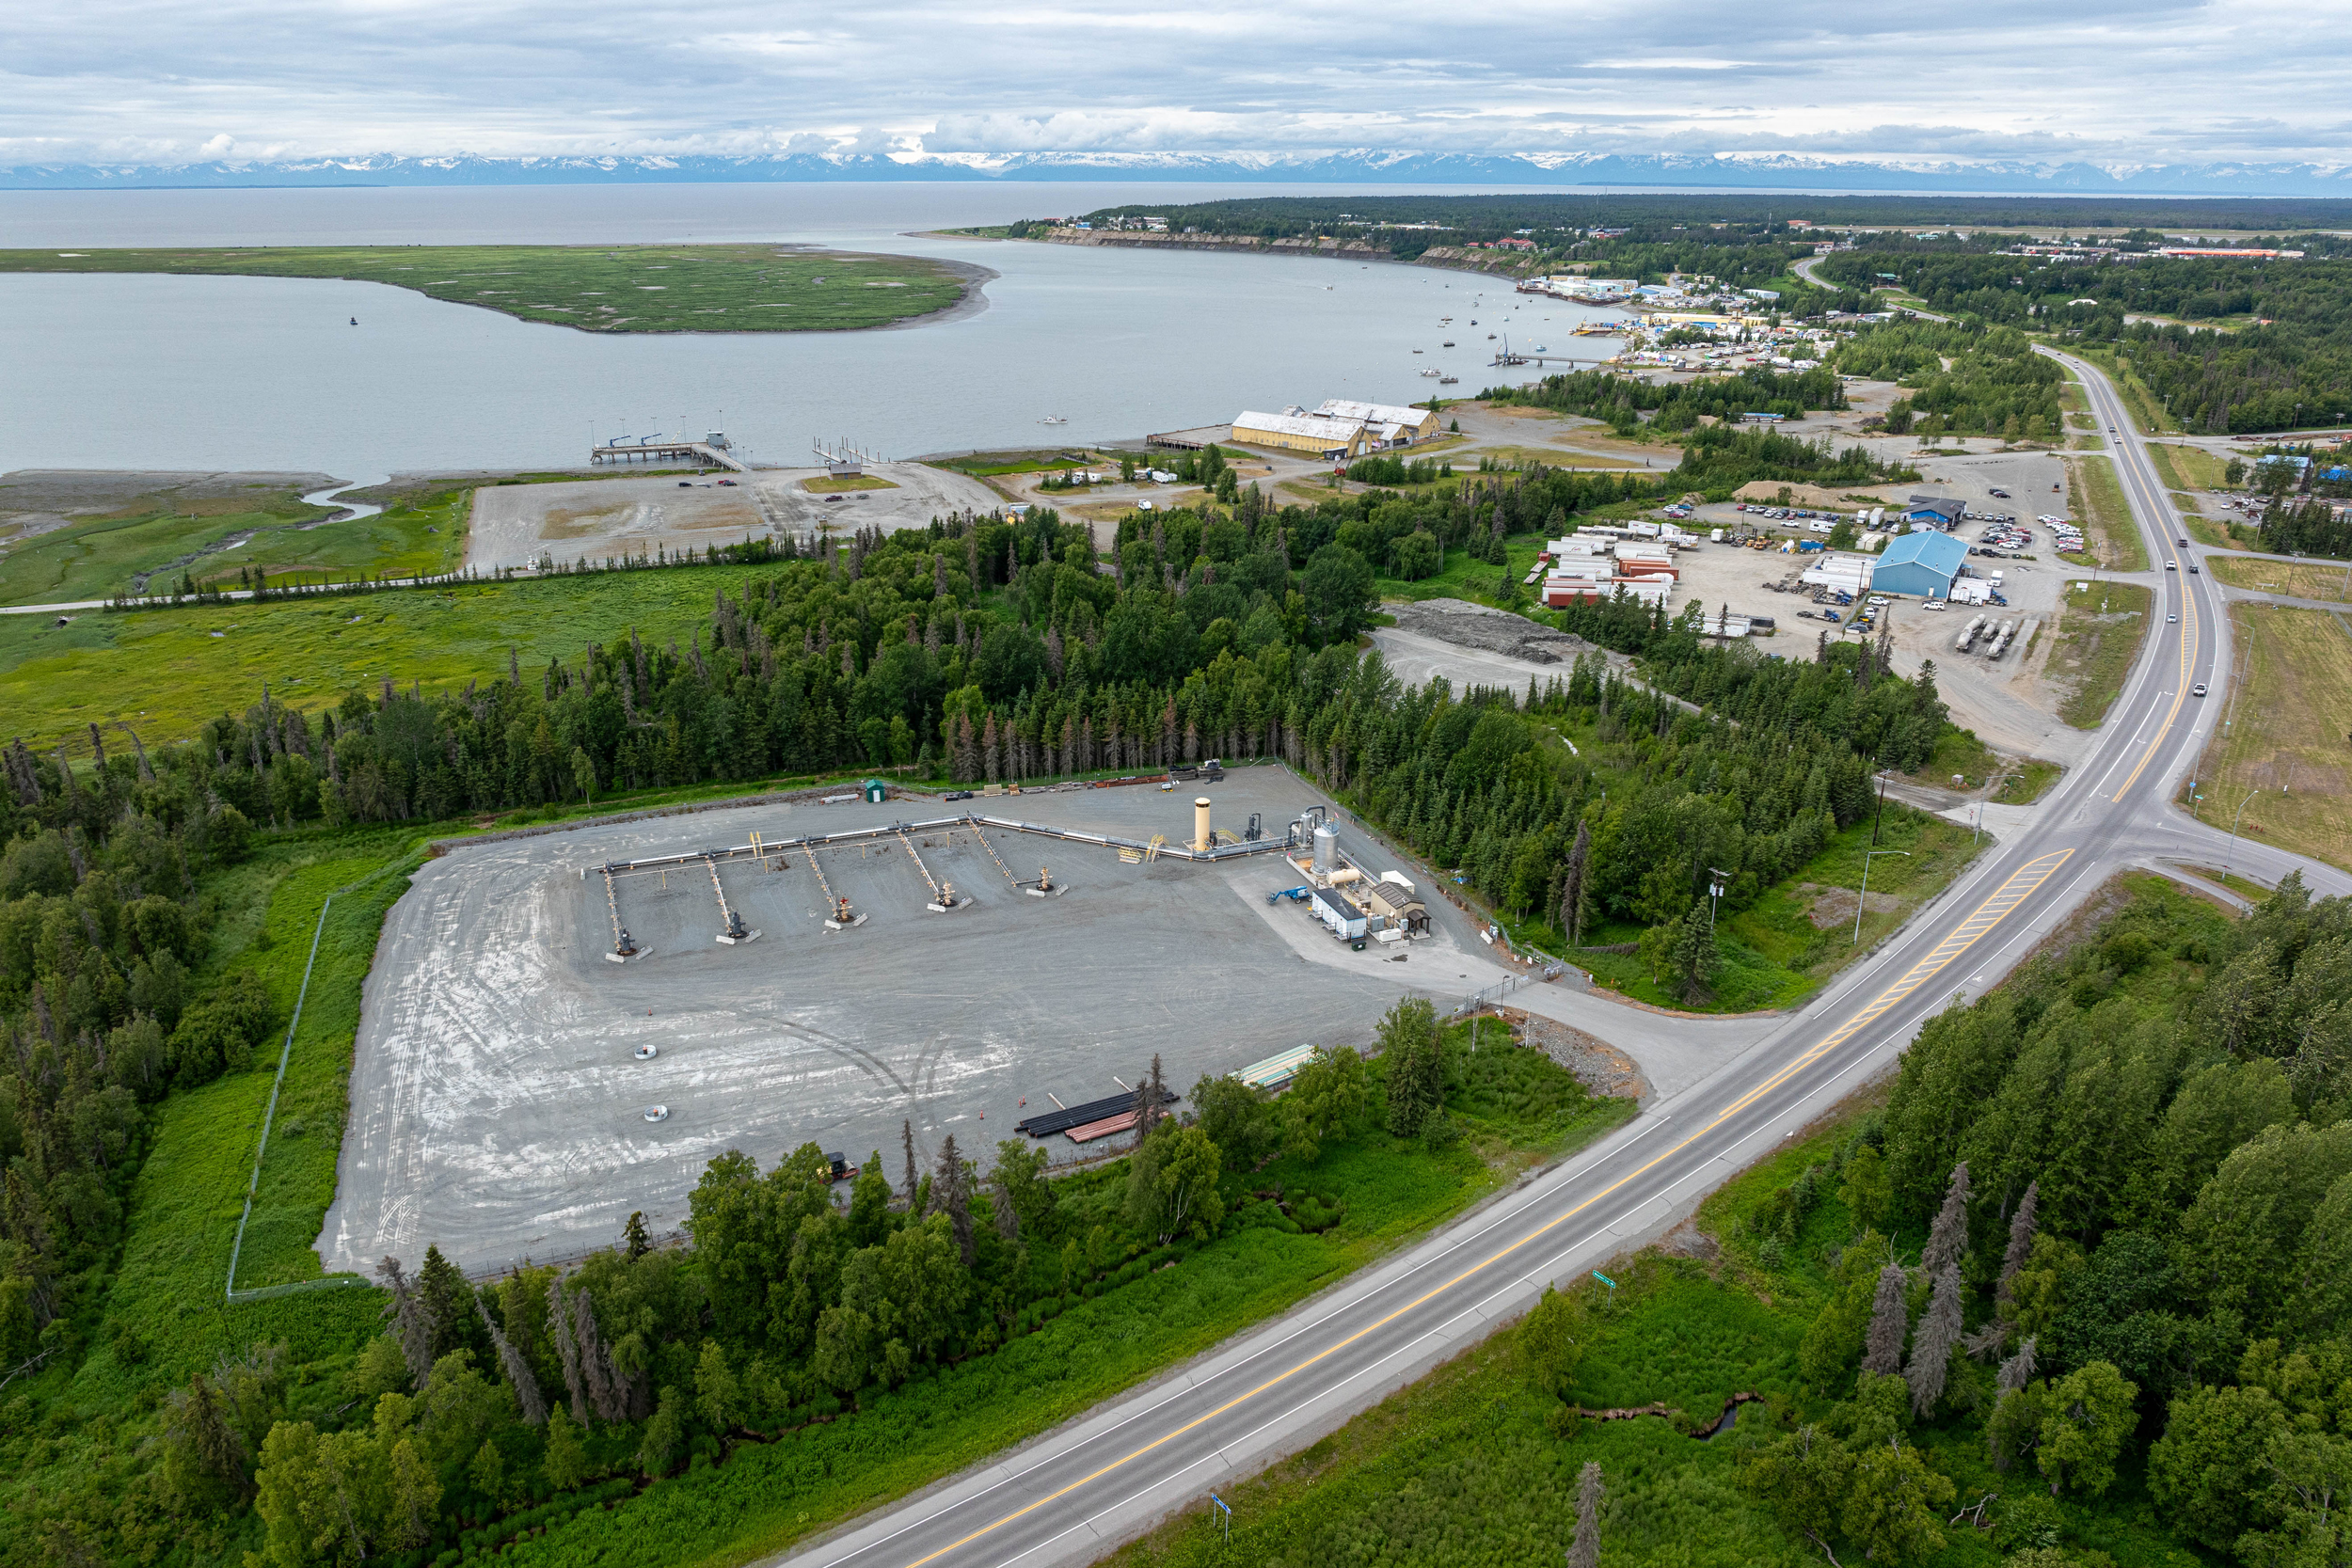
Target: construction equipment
pixel 1046 887
pixel 1296 894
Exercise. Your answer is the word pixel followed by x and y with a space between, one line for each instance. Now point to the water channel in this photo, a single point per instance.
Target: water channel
pixel 158 372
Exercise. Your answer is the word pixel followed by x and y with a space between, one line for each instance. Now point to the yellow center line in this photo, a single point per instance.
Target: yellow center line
pixel 2180 693
pixel 2019 886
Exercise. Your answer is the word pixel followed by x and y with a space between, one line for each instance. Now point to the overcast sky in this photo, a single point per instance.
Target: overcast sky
pixel 2138 82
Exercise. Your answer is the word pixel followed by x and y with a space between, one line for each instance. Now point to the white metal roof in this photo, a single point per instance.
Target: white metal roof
pixel 1374 413
pixel 1319 425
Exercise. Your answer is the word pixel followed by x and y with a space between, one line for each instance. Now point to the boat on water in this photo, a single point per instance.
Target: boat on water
pixel 1054 419
pixel 1448 343
pixel 1433 370
pixel 1416 351
pixel 1449 381
pixel 1539 348
pixel 1490 337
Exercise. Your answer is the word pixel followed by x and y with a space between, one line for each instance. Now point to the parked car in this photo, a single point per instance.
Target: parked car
pixel 957 795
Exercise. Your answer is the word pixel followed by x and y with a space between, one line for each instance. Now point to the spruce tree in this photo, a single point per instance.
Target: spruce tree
pixel 1932 1347
pixel 411 1322
pixel 1948 1238
pixel 951 1194
pixel 1572 887
pixel 1415 1060
pixel 2021 1229
pixel 1890 1324
pixel 1584 1552
pixel 519 1377
pixel 449 1306
pixel 633 1236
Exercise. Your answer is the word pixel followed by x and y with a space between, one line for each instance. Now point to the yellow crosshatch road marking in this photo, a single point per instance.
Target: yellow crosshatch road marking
pixel 2019 886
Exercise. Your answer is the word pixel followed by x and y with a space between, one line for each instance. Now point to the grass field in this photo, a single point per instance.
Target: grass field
pixel 2093 495
pixel 2097 643
pixel 735 288
pixel 2028 781
pixel 1463 577
pixel 165 671
pixel 1797 935
pixel 2187 468
pixel 2283 742
pixel 829 485
pixel 2302 580
pixel 147 546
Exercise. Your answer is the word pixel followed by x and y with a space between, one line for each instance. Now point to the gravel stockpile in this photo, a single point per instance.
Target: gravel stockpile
pixel 1496 631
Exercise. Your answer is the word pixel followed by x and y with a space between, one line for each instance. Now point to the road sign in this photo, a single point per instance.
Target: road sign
pixel 1228 1520
pixel 1604 1279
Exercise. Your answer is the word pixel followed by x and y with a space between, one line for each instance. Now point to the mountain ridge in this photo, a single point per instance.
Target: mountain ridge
pixel 1361 166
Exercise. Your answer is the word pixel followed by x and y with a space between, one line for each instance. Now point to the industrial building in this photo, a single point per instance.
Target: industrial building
pixel 1937 511
pixel 1327 435
pixel 1921 563
pixel 1392 425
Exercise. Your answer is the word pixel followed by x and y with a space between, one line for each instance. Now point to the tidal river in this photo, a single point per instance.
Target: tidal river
pixel 151 371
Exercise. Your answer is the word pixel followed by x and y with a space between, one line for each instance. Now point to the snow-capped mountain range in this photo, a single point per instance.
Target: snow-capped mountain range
pixel 1724 171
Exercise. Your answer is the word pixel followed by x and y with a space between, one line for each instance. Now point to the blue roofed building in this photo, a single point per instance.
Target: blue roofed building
pixel 1921 565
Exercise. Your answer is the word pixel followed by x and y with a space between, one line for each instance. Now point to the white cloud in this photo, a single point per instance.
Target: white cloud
pixel 2168 81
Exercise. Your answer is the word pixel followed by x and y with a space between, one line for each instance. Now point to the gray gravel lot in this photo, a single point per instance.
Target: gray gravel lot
pixel 496 1106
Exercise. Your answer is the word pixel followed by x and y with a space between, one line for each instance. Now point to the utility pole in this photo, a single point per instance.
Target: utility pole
pixel 1881 815
pixel 1864 896
pixel 2233 821
pixel 1717 879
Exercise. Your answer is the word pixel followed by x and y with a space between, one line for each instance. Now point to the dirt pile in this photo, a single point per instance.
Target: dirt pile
pixel 1495 631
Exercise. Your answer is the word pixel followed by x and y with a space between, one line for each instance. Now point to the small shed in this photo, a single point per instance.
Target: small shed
pixel 876 791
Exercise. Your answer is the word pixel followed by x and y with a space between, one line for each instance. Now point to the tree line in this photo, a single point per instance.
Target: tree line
pixel 2134 1196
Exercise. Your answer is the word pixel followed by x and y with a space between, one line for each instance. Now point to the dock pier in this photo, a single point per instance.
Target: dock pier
pixel 662 449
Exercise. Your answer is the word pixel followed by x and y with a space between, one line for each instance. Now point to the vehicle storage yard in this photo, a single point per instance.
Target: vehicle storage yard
pixel 499 1105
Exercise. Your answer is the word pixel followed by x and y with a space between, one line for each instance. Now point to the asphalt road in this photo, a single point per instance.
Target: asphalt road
pixel 1069 1495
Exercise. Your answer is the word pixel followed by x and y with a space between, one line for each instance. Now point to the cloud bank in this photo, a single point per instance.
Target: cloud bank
pixel 2099 80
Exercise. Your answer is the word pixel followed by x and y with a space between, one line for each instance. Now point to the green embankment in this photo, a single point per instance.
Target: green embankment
pixel 730 288
pixel 2095 497
pixel 165 672
pixel 1478 1463
pixel 2099 634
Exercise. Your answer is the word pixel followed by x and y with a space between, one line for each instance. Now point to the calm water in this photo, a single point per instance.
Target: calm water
pixel 234 373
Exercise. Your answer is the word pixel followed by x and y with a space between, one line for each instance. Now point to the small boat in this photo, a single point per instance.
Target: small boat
pixel 1539 348
pixel 1053 419
pixel 1433 370
pixel 354 321
pixel 1416 351
pixel 1448 343
pixel 1490 337
pixel 1449 380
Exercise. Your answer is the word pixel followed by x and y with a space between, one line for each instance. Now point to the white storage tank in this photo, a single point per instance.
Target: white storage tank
pixel 1326 849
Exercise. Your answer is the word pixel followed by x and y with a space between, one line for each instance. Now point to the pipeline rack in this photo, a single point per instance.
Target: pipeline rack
pixel 807 845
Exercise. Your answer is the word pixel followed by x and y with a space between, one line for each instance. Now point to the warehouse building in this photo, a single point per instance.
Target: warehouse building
pixel 1933 511
pixel 1921 565
pixel 1390 423
pixel 1295 430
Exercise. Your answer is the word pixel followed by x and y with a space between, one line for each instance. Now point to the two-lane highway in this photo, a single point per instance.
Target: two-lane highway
pixel 1070 1495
